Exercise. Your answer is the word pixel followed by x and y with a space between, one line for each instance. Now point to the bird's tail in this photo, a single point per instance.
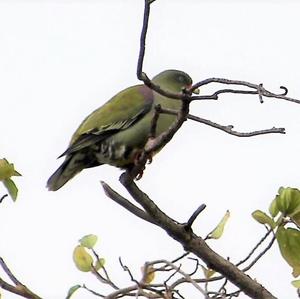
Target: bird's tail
pixel 70 167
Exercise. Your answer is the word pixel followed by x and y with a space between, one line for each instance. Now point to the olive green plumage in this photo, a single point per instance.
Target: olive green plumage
pixel 116 132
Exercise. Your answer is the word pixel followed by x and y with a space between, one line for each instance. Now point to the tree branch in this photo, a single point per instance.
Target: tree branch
pixel 254 249
pixel 19 288
pixel 195 244
pixel 2 197
pixel 125 203
pixel 258 89
pixel 228 129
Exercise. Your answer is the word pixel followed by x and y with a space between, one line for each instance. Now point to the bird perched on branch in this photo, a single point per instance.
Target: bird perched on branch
pixel 117 132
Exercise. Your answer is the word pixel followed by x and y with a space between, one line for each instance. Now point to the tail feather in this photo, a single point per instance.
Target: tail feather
pixel 69 168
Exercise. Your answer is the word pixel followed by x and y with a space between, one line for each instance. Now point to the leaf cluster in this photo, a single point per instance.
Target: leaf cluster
pixel 283 218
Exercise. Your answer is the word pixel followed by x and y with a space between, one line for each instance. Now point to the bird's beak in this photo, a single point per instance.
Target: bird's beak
pixel 196 91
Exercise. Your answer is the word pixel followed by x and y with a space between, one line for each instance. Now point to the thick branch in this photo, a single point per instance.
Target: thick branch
pixel 125 203
pixel 195 244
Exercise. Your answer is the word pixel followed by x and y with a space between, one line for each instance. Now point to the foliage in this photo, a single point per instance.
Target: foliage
pixel 284 219
pixel 7 170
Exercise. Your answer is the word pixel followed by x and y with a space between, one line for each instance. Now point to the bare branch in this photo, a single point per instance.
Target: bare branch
pixel 19 288
pixel 254 249
pixel 1 199
pixel 258 89
pixel 178 270
pixel 260 255
pixel 125 203
pixel 143 39
pixel 229 128
pixel 92 291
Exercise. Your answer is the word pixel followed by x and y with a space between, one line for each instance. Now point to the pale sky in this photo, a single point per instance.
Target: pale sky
pixel 60 60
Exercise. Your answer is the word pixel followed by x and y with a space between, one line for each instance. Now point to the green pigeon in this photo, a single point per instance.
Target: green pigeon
pixel 117 132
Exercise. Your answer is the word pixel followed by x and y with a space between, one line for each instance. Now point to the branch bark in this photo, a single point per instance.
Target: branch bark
pixel 19 288
pixel 195 244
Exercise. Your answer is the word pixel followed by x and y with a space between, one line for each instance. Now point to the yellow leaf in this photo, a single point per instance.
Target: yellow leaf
pixel 148 274
pixel 82 259
pixel 208 273
pixel 218 231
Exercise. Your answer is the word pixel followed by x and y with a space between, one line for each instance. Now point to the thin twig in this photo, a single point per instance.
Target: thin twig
pixel 178 270
pixel 126 269
pixel 260 255
pixel 180 257
pixel 229 128
pixel 105 279
pixel 143 39
pixel 259 89
pixel 1 199
pixel 93 292
pixel 254 249
pixel 9 273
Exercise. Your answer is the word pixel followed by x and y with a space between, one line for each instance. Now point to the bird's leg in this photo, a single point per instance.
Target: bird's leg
pixel 137 162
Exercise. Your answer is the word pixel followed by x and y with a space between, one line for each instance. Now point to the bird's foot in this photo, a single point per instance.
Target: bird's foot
pixel 137 162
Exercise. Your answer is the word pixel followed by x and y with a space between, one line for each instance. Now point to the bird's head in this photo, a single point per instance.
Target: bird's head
pixel 174 81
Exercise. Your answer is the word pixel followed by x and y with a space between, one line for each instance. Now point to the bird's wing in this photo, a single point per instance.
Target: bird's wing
pixel 121 112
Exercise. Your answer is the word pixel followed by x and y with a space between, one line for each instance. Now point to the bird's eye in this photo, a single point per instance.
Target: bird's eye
pixel 181 79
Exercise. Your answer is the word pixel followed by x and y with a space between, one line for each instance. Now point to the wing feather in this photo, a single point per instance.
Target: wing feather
pixel 119 113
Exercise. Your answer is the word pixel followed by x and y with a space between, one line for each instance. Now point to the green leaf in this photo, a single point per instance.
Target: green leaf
pixel 72 290
pixel 296 218
pixel 11 188
pixel 219 229
pixel 273 209
pixel 263 218
pixel 296 283
pixel 289 244
pixel 88 241
pixel 99 263
pixel 82 259
pixel 6 169
pixel 288 200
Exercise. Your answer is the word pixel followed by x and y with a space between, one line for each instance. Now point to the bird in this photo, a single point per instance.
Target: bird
pixel 117 132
